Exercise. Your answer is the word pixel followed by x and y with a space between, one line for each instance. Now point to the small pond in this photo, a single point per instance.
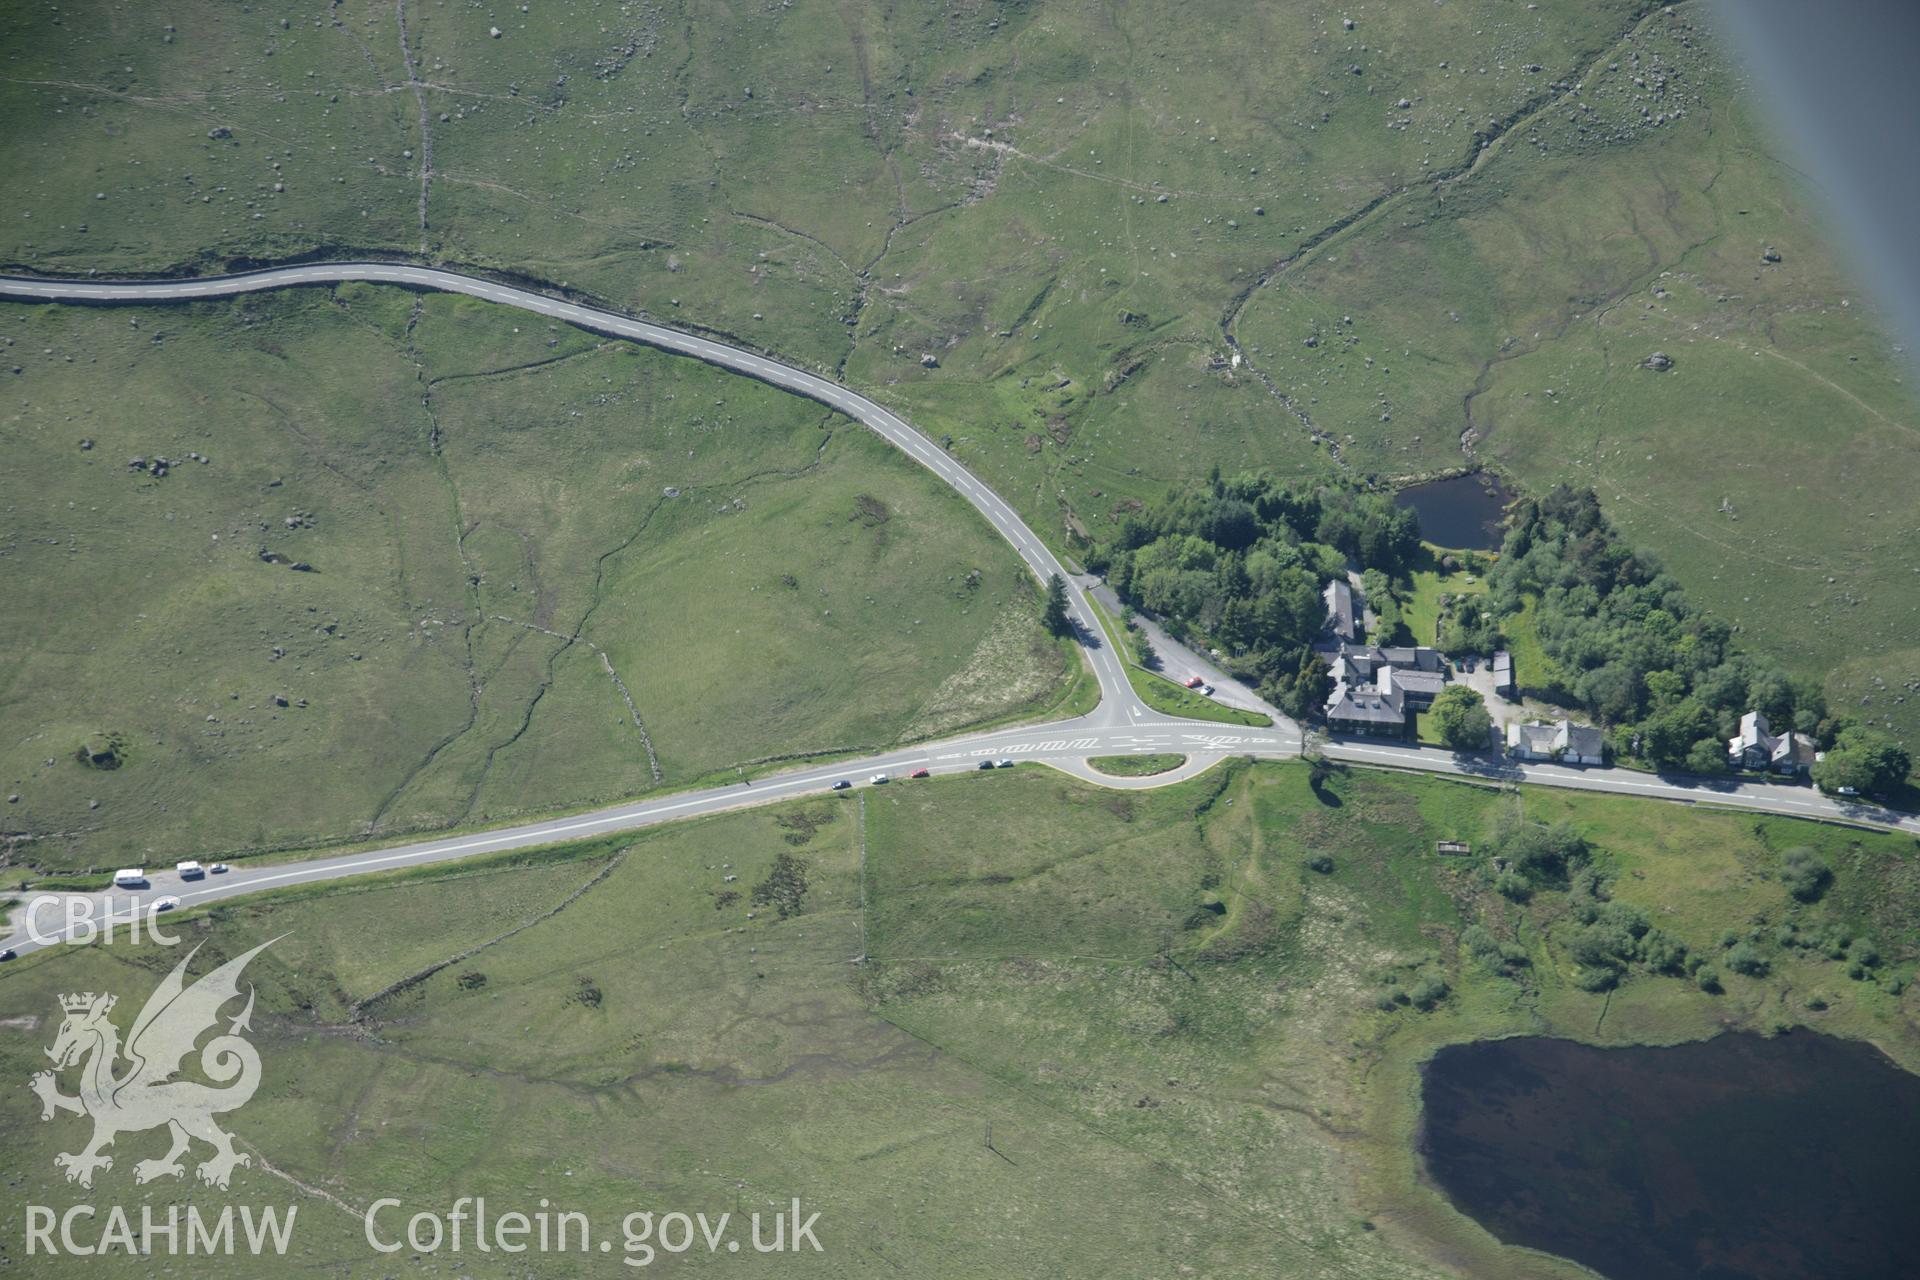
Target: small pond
pixel 1741 1156
pixel 1463 512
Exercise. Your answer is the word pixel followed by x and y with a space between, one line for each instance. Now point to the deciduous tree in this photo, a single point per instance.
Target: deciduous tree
pixel 1460 714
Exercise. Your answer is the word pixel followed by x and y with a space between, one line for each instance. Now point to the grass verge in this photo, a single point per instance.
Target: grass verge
pixel 1141 766
pixel 1164 695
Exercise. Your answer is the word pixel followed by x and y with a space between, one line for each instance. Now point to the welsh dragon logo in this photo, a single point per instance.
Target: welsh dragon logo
pixel 146 1095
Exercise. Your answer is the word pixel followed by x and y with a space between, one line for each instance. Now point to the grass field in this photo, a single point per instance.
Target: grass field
pixel 1533 669
pixel 1421 613
pixel 541 568
pixel 1073 210
pixel 1017 1025
pixel 1421 609
pixel 1162 1004
pixel 1518 304
pixel 842 179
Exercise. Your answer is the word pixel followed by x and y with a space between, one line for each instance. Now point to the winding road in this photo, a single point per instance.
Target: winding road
pixel 876 417
pixel 1121 724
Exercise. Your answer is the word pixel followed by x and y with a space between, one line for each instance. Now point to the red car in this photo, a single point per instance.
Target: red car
pixel 1194 682
pixel 921 773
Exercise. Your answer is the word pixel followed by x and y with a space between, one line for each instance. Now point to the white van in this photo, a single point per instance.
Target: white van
pixel 130 878
pixel 189 870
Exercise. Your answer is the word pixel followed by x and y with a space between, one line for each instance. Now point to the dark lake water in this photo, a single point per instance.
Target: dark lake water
pixel 1463 512
pixel 1791 1158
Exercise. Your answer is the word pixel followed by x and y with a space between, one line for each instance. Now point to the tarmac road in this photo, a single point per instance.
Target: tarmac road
pixel 1065 744
pixel 1116 694
pixel 1120 725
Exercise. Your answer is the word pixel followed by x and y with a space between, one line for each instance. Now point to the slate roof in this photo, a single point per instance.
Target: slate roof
pixel 1420 659
pixel 1579 740
pixel 1339 598
pixel 1364 659
pixel 1363 704
pixel 1795 749
pixel 1755 732
pixel 1420 683
pixel 1360 660
pixel 1532 739
pixel 1562 737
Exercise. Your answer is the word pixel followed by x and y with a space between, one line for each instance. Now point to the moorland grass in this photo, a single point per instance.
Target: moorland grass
pixel 1163 1003
pixel 1062 207
pixel 1519 305
pixel 495 517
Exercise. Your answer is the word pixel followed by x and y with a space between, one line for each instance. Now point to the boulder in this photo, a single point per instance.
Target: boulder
pixel 1659 362
pixel 101 752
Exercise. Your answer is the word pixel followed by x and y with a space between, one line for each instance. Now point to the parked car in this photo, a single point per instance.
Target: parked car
pixel 1207 689
pixel 921 773
pixel 189 870
pixel 841 785
pixel 219 868
pixel 879 780
pixel 167 903
pixel 1194 682
pixel 1847 791
pixel 8 953
pixel 984 764
pixel 1006 764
